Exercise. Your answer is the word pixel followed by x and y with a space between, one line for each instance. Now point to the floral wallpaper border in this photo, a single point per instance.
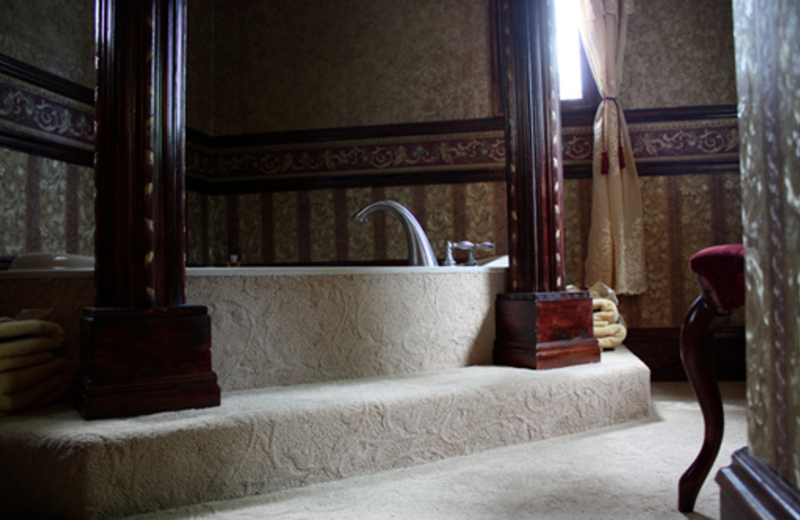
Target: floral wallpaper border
pixel 417 153
pixel 680 140
pixel 663 141
pixel 34 112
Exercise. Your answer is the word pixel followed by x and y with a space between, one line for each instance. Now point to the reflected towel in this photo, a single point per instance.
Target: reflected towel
pixel 40 393
pixel 26 337
pixel 16 380
pixel 16 362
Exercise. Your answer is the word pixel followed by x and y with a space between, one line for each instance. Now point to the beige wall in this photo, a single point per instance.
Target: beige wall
pixel 768 73
pixel 679 53
pixel 308 64
pixel 54 35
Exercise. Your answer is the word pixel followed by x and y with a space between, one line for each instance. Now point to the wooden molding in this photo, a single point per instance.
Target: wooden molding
pixel 585 116
pixel 46 80
pixel 143 350
pixel 751 490
pixel 659 349
pixel 339 181
pixel 354 133
pixel 544 330
pixel 45 148
pixel 142 361
pixel 656 168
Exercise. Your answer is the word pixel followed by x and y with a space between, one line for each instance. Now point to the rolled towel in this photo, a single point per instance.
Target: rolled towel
pixel 26 337
pixel 16 380
pixel 610 336
pixel 16 362
pixel 41 393
pixel 609 328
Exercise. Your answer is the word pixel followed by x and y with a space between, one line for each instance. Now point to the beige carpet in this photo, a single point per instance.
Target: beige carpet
pixel 627 471
pixel 55 465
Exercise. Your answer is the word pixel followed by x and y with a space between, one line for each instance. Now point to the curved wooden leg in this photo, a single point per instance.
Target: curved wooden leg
pixel 696 334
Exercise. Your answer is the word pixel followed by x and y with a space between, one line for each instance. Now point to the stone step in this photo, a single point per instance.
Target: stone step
pixel 258 441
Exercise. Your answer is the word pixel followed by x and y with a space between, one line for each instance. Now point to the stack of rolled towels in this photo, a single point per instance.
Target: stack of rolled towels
pixel 32 373
pixel 609 326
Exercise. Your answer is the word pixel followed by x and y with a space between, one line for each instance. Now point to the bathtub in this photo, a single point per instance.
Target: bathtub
pixel 275 326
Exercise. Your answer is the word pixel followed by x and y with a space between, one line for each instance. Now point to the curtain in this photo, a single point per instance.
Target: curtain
pixel 616 254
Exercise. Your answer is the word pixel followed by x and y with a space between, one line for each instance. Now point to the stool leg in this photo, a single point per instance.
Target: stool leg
pixel 696 337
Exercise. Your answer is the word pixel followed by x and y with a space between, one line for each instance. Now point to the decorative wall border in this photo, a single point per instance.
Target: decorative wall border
pixel 44 114
pixel 664 148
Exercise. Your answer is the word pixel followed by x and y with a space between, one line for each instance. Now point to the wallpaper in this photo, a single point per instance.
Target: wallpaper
pixel 313 226
pixel 679 53
pixel 55 36
pixel 45 205
pixel 768 73
pixel 200 65
pixel 683 213
pixel 305 64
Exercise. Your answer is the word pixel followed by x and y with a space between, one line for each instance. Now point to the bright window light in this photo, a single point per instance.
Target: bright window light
pixel 569 50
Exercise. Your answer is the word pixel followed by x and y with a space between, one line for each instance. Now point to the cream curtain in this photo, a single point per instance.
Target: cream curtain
pixel 616 241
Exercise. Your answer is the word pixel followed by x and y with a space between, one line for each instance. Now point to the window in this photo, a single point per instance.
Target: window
pixel 569 51
pixel 578 91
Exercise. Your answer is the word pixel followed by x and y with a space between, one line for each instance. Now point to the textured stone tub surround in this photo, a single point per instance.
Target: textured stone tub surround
pixel 283 326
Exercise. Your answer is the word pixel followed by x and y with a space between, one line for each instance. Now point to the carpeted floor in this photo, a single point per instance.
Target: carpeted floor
pixel 628 471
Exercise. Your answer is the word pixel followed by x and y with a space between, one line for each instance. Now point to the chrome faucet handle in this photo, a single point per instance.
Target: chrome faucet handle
pixel 468 246
pixel 471 247
pixel 448 255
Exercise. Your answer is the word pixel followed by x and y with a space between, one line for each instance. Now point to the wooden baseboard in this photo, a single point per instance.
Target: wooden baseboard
pixel 750 490
pixel 659 349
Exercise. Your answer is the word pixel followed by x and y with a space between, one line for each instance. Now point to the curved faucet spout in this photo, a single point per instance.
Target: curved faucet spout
pixel 419 249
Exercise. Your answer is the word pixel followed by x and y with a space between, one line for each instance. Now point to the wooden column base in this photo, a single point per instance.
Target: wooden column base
pixel 545 330
pixel 750 490
pixel 141 361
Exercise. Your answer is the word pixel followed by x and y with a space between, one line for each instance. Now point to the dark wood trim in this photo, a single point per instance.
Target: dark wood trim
pixel 340 181
pixel 585 117
pixel 538 324
pixel 751 490
pixel 353 133
pixel 143 349
pixel 45 148
pixel 649 168
pixel 46 80
pixel 659 349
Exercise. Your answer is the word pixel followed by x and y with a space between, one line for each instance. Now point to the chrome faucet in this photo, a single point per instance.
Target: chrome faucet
pixel 419 249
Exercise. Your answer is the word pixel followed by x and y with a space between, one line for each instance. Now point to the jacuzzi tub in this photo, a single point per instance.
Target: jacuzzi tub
pixel 292 325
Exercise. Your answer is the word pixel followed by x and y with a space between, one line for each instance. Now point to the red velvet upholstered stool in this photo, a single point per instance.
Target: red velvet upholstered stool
pixel 720 271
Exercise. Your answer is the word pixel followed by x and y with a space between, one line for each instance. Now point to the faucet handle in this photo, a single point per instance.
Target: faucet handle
pixel 448 255
pixel 471 247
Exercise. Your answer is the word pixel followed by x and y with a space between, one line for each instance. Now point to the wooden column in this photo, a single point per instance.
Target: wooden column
pixel 539 324
pixel 143 350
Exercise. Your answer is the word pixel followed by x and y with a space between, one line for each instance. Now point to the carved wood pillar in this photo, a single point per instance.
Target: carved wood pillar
pixel 539 324
pixel 143 350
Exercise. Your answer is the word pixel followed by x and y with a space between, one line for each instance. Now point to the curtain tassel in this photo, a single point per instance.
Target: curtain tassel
pixel 604 162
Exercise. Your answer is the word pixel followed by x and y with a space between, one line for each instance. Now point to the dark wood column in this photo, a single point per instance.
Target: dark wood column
pixel 539 324
pixel 143 350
